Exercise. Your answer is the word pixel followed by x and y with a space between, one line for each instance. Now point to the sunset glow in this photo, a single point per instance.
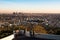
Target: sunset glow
pixel 30 6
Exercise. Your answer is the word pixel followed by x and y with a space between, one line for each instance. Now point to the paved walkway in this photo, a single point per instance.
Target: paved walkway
pixel 8 37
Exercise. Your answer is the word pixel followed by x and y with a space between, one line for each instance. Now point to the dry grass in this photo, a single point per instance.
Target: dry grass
pixel 36 28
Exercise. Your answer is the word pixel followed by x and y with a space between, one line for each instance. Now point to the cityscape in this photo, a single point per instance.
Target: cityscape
pixel 29 19
pixel 40 23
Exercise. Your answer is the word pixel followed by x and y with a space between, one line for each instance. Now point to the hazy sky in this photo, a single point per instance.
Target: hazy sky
pixel 40 6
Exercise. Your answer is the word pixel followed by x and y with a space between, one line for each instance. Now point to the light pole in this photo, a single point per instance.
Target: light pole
pixel 31 29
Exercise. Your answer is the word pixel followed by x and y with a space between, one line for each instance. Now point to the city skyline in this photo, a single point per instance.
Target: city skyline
pixel 30 6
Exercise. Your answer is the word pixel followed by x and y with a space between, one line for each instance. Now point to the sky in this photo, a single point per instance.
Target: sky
pixel 30 6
